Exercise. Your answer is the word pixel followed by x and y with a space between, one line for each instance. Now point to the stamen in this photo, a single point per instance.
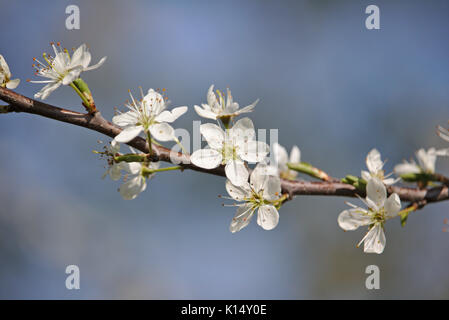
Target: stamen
pixel 231 205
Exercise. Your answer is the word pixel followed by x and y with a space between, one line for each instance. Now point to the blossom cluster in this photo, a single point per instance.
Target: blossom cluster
pixel 232 145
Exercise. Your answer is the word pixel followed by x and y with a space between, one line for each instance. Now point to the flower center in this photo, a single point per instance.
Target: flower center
pixel 256 198
pixel 378 216
pixel 379 174
pixel 229 152
pixel 51 66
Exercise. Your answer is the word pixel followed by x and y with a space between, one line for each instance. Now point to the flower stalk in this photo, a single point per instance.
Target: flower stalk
pixel 278 203
pixel 308 169
pixel 148 134
pixel 147 171
pixel 404 213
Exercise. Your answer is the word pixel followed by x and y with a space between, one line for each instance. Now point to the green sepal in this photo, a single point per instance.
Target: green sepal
pixel 84 92
pixel 404 218
pixel 357 182
pixel 419 177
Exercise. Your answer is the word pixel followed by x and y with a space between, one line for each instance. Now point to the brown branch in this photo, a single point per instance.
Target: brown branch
pixel 96 122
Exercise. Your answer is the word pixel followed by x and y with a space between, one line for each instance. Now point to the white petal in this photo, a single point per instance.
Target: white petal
pixel 60 63
pixel 4 66
pixel 261 173
pixel 236 172
pixel 267 217
pixel 132 167
pixel 211 97
pixel 375 240
pixel 77 56
pixel 242 131
pixel 131 189
pixel 179 111
pixel 115 147
pixel 155 101
pixel 442 152
pixel 280 156
pixel 390 181
pixel 45 91
pixel 164 116
pixel 85 58
pixel 272 188
pixel 427 159
pixel 115 171
pixel 253 151
pixel 295 155
pixel 95 66
pixel 392 205
pixel 238 193
pixel 208 114
pixel 351 219
pixel 213 134
pixel 406 167
pixel 376 193
pixel 155 165
pixel 125 119
pixel 242 217
pixel 128 134
pixel 231 109
pixel 229 100
pixel 248 108
pixel 12 84
pixel 366 175
pixel 373 161
pixel 162 131
pixel 171 116
pixel 206 158
pixel 72 75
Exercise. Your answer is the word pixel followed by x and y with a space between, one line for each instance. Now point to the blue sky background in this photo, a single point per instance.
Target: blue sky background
pixel 327 83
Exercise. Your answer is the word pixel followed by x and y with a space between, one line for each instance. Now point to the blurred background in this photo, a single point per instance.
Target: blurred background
pixel 327 83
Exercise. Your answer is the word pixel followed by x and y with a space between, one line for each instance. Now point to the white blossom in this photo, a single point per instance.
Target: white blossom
pixel 62 69
pixel 230 148
pixel 443 133
pixel 380 209
pixel 260 194
pixel 374 164
pixel 136 180
pixel 220 107
pixel 281 159
pixel 5 76
pixel 426 162
pixel 114 168
pixel 148 114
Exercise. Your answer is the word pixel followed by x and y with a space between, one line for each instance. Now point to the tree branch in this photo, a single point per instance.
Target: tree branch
pixel 96 122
